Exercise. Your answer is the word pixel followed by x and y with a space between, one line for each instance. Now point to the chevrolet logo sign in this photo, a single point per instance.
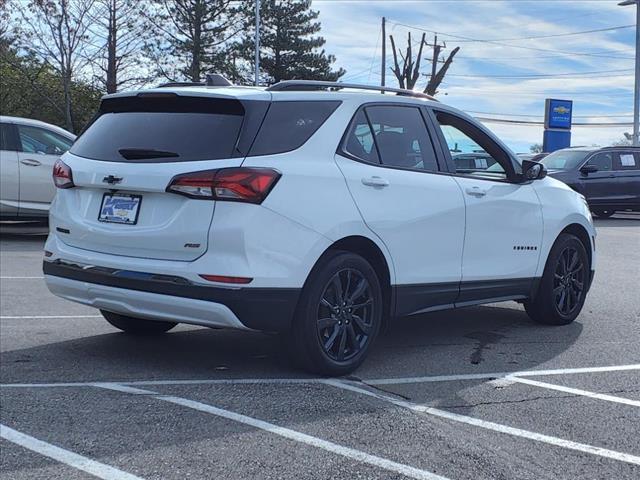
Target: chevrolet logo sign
pixel 561 110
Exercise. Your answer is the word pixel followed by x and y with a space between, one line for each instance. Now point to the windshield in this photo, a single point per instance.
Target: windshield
pixel 564 159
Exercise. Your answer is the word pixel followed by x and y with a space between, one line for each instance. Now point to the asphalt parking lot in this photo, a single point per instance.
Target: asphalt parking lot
pixel 478 393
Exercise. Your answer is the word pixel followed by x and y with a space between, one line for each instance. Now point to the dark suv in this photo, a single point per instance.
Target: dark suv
pixel 608 177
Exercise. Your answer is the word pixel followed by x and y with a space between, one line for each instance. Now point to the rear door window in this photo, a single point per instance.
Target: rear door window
pixel 401 137
pixel 289 124
pixel 168 128
pixel 42 141
pixel 626 161
pixel 359 141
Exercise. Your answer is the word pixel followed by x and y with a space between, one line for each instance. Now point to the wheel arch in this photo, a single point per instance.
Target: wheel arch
pixel 372 253
pixel 579 231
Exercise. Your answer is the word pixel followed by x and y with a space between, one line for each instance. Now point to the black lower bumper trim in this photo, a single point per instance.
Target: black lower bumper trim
pixel 266 309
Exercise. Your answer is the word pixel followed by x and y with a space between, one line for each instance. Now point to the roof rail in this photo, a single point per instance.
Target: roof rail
pixel 305 85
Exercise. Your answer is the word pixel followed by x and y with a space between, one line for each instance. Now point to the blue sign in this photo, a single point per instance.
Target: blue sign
pixel 556 139
pixel 558 114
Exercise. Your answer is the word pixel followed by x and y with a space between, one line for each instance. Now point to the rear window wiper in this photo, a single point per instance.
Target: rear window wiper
pixel 140 153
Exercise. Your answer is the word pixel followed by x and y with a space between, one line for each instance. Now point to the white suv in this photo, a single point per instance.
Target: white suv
pixel 314 209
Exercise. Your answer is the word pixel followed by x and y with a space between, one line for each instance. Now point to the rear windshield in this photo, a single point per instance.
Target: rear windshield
pixel 289 124
pixel 162 128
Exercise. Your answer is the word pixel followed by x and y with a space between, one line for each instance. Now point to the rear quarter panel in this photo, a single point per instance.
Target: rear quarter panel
pixel 312 191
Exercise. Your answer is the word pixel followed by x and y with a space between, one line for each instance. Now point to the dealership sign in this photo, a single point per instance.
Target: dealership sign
pixel 557 124
pixel 558 113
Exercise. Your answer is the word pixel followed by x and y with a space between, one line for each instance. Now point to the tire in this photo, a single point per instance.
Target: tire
pixel 564 283
pixel 338 317
pixel 137 326
pixel 603 213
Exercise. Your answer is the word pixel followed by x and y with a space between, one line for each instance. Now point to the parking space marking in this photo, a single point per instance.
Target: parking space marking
pixel 494 375
pixel 496 427
pixel 20 278
pixel 294 435
pixel 26 317
pixel 575 391
pixel 271 381
pixel 67 457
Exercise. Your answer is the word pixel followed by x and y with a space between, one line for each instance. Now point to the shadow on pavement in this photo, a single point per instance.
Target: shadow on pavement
pixel 474 339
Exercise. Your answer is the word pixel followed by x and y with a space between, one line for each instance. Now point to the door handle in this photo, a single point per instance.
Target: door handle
pixel 476 192
pixel 29 162
pixel 375 182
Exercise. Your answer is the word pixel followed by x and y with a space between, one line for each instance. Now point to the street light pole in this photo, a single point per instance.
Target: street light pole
pixel 636 105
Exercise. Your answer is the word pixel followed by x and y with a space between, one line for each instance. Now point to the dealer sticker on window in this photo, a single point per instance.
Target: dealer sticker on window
pixel 120 208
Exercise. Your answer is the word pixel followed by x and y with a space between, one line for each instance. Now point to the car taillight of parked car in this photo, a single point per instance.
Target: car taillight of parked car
pixel 62 176
pixel 237 184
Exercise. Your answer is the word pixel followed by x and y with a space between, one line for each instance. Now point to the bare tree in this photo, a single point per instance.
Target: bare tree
pixel 409 72
pixel 118 35
pixel 438 76
pixel 56 32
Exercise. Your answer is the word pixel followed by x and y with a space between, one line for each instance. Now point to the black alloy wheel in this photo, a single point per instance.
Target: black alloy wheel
pixel 345 315
pixel 564 284
pixel 569 281
pixel 339 315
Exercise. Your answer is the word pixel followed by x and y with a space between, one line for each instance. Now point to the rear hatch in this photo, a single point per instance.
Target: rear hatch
pixel 122 164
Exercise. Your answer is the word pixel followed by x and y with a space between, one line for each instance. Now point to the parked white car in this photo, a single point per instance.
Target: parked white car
pixel 28 150
pixel 320 214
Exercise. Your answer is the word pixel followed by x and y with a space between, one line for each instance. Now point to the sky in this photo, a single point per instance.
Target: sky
pixel 498 73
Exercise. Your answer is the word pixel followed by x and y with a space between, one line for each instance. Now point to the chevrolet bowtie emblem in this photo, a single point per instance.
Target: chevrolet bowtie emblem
pixel 111 180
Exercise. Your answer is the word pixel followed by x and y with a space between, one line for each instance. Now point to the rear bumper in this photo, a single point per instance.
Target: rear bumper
pixel 171 298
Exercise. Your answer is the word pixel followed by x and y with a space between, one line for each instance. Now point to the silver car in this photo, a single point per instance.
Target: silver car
pixel 28 150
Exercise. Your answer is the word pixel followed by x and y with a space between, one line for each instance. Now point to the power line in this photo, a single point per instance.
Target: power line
pixel 550 75
pixel 532 57
pixel 537 115
pixel 568 34
pixel 533 123
pixel 587 54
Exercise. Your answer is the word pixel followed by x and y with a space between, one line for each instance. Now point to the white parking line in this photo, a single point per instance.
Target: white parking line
pixel 496 427
pixel 294 435
pixel 575 391
pixel 61 455
pixel 26 317
pixel 20 278
pixel 271 381
pixel 480 376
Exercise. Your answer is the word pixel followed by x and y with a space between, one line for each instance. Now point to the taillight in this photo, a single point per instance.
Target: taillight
pixel 237 184
pixel 62 176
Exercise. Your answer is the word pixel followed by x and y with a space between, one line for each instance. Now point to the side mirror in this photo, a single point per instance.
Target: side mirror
pixel 533 170
pixel 587 169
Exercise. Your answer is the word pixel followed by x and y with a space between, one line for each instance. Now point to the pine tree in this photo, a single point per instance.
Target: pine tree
pixel 288 47
pixel 193 37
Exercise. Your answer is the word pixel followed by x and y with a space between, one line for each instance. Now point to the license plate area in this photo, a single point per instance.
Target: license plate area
pixel 120 208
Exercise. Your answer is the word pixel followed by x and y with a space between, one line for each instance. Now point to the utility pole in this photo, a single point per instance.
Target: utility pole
pixel 437 74
pixel 636 102
pixel 383 68
pixel 436 55
pixel 257 59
